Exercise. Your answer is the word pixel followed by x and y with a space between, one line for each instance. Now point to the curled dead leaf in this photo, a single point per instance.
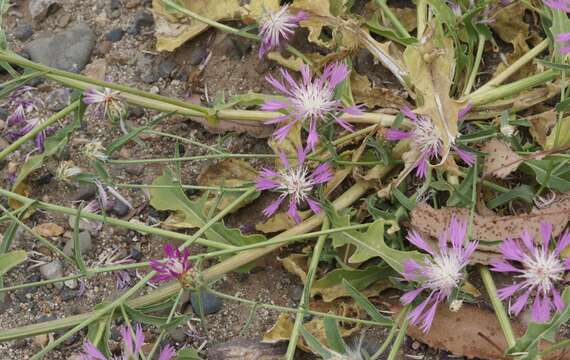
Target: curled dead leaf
pixel 363 92
pixel 500 160
pixel 49 229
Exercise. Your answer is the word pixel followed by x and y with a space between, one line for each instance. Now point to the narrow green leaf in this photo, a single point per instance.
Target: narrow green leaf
pixel 188 354
pixel 314 344
pixel 558 179
pixel 11 260
pixel 522 192
pixel 333 336
pixel 366 305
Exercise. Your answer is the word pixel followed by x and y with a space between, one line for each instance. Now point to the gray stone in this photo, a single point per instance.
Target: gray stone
pixel 115 35
pixel 142 19
pixel 23 32
pixel 115 5
pixel 68 50
pixel 86 192
pixel 58 99
pixel 40 9
pixel 85 244
pixel 52 270
pixel 4 113
pixel 177 335
pixel 167 68
pixel 149 77
pixel 211 303
pixel 197 55
pixel 120 208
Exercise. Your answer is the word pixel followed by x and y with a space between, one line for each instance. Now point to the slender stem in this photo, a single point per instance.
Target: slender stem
pixel 475 69
pixel 112 221
pixel 193 158
pixel 401 315
pixel 183 139
pixel 36 130
pixel 497 306
pixel 195 187
pixel 480 98
pixel 514 67
pixel 168 320
pixel 393 355
pixel 294 310
pixel 400 29
pixel 560 345
pixel 422 17
pixel 304 302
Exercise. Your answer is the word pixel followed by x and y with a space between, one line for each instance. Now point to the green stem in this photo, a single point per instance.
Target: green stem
pixel 475 69
pixel 36 130
pixel 400 29
pixel 513 68
pixel 392 333
pixel 513 88
pixel 422 17
pixel 304 302
pixel 497 306
pixel 399 339
pixel 183 139
pixel 168 320
pixel 112 221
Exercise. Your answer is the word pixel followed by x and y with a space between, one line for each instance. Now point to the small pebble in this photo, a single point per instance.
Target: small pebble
pixel 142 19
pixel 52 270
pixel 149 77
pixel 58 99
pixel 120 209
pixel 115 5
pixel 85 244
pixel 167 68
pixel 197 55
pixel 64 20
pixel 23 32
pixel 104 47
pixel 115 35
pixel 178 335
pixel 211 303
pixel 86 192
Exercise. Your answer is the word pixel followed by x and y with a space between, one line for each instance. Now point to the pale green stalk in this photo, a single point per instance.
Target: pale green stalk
pixel 403 314
pixel 400 29
pixel 168 320
pixel 475 69
pixel 422 16
pixel 304 302
pixel 392 355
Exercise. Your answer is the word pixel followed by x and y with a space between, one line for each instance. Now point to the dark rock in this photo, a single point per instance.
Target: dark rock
pixel 58 99
pixel 197 55
pixel 40 9
pixel 211 303
pixel 182 75
pixel 296 293
pixel 167 68
pixel 363 61
pixel 68 294
pixel 86 192
pixel 115 5
pixel 44 179
pixel 135 170
pixel 115 35
pixel 135 254
pixel 23 32
pixel 142 19
pixel 136 111
pixel 120 208
pixel 68 50
pixel 4 113
pixel 177 335
pixel 72 339
pixel 149 77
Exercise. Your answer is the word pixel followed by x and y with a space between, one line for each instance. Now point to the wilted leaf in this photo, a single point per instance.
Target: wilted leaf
pixel 317 7
pixel 49 229
pixel 563 130
pixel 279 222
pixel 541 124
pixel 363 92
pixel 508 22
pixel 433 222
pixel 281 331
pixel 407 16
pixel 296 264
pixel 500 160
pixel 370 244
pixel 292 62
pixel 476 333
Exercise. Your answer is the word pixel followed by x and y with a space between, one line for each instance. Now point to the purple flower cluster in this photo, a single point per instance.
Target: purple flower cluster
pixel 295 182
pixel 174 267
pixel 132 347
pixel 440 274
pixel 427 140
pixel 20 122
pixel 275 28
pixel 309 100
pixel 538 269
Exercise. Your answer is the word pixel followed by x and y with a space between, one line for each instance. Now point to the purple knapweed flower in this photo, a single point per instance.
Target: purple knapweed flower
pixel 174 267
pixel 277 27
pixel 440 274
pixel 27 126
pixel 105 102
pixel 562 5
pixel 310 100
pixel 295 182
pixel 131 348
pixel 426 139
pixel 539 269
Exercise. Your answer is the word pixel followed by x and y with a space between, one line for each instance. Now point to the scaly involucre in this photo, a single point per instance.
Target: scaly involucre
pixel 295 182
pixel 538 268
pixel 275 28
pixel 309 100
pixel 174 267
pixel 439 274
pixel 426 139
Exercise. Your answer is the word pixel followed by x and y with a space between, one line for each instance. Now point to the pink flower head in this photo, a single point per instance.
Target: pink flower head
pixel 277 27
pixel 131 348
pixel 295 182
pixel 562 5
pixel 27 126
pixel 425 137
pixel 106 102
pixel 310 100
pixel 539 269
pixel 564 39
pixel 174 267
pixel 440 274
